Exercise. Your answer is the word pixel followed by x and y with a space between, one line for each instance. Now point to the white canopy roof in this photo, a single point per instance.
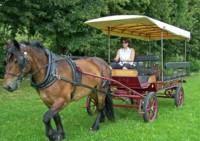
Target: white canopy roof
pixel 139 27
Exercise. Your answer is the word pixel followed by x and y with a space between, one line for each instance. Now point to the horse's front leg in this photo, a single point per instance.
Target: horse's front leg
pixel 51 133
pixel 59 126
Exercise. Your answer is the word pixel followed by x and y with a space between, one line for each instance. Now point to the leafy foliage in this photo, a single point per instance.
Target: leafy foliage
pixel 60 24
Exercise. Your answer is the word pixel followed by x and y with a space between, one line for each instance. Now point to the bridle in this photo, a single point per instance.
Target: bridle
pixel 21 61
pixel 22 64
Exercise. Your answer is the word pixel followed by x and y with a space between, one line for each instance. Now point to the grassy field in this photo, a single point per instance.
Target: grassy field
pixel 21 115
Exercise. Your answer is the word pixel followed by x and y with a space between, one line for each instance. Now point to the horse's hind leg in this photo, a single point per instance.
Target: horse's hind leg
pixel 102 118
pixel 95 125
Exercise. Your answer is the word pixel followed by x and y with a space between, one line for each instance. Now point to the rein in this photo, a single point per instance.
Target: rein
pixel 51 74
pixel 75 83
pixel 59 77
pixel 19 77
pixel 12 74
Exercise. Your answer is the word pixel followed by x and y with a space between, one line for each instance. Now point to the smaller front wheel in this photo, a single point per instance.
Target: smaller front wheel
pixel 179 96
pixel 150 107
pixel 91 106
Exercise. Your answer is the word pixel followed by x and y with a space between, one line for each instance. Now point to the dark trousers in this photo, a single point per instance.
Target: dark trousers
pixel 115 65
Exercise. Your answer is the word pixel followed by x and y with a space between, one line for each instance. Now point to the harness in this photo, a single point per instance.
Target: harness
pixel 52 74
pixel 51 70
pixel 76 74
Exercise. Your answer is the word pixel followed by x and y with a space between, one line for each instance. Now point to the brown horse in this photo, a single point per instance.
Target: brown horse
pixel 58 81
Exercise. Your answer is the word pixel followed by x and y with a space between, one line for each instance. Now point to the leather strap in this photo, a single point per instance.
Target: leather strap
pixel 76 74
pixel 51 70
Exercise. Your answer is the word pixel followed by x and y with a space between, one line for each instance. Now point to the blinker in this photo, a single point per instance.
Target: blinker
pixel 21 61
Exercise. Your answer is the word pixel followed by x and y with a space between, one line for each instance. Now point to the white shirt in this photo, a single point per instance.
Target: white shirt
pixel 125 54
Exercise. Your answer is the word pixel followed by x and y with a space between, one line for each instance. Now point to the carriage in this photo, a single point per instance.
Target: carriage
pixel 60 80
pixel 141 86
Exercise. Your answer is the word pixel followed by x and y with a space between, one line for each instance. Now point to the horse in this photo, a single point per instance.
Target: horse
pixel 59 81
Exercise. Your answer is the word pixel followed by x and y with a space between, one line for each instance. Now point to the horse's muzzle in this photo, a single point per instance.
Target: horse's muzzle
pixel 10 87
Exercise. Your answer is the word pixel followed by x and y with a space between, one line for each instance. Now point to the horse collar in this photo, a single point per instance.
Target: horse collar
pixel 50 73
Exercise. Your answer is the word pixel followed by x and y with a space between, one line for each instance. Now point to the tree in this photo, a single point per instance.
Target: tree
pixel 60 23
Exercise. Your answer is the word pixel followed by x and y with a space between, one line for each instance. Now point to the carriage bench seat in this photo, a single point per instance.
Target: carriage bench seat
pixel 131 79
pixel 120 72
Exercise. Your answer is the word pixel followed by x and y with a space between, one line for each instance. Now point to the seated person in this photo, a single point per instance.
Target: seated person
pixel 125 57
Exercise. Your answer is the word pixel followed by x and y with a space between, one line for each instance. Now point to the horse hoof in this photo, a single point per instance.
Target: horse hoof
pixel 94 128
pixel 102 120
pixel 51 132
pixel 57 137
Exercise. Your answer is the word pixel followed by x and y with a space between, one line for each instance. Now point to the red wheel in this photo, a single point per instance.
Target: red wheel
pixel 179 96
pixel 91 106
pixel 150 107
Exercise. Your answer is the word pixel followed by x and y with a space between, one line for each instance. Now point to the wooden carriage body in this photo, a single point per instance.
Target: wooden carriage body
pixel 141 86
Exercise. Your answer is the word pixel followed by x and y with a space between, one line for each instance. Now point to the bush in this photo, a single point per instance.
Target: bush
pixel 2 56
pixel 194 65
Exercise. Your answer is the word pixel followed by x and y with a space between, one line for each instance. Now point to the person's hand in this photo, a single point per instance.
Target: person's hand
pixel 124 68
pixel 115 60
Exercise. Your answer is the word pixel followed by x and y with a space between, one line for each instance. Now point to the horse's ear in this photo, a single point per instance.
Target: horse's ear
pixel 8 44
pixel 16 44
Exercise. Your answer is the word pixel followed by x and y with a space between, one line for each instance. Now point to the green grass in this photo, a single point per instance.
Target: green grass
pixel 21 115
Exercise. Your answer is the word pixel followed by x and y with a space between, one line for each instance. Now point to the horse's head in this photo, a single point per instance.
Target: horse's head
pixel 17 65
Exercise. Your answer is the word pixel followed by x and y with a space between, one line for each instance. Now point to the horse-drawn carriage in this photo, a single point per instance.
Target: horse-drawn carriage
pixel 142 84
pixel 60 81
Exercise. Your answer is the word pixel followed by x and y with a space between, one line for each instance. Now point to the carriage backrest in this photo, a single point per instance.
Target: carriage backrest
pixel 177 65
pixel 146 64
pixel 144 58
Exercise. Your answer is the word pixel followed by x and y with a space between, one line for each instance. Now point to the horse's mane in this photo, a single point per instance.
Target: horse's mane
pixel 36 44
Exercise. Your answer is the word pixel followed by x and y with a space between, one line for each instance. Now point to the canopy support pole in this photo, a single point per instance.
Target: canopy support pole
pixel 109 28
pixel 185 59
pixel 162 60
pixel 149 47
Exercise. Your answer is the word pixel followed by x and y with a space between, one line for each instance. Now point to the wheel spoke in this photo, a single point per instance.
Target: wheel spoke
pixel 91 106
pixel 180 97
pixel 151 108
pixel 151 101
pixel 92 100
pixel 152 114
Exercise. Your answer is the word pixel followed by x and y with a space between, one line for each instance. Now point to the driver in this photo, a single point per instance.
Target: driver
pixel 125 56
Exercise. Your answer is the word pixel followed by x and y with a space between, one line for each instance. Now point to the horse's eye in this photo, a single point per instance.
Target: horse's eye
pixel 4 63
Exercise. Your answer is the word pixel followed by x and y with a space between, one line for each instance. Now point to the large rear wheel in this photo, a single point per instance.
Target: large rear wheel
pixel 179 96
pixel 150 107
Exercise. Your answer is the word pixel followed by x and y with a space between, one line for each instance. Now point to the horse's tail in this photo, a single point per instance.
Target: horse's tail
pixel 109 111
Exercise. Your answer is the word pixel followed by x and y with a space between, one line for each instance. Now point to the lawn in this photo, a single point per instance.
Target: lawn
pixel 21 115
